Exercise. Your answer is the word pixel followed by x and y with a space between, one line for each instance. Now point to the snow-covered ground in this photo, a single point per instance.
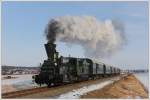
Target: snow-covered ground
pixel 143 78
pixel 19 83
pixel 18 79
pixel 76 93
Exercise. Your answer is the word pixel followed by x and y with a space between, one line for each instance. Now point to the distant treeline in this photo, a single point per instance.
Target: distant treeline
pixel 11 70
pixel 19 67
pixel 138 71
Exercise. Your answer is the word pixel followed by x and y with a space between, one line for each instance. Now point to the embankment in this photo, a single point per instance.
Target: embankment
pixel 127 87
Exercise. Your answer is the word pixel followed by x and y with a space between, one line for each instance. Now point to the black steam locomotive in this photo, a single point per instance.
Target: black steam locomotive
pixel 59 70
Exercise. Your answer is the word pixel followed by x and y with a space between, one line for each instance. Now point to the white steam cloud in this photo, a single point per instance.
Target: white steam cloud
pixel 98 38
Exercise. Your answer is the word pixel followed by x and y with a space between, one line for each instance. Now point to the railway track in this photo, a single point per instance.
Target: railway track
pixel 35 91
pixel 29 91
pixel 24 92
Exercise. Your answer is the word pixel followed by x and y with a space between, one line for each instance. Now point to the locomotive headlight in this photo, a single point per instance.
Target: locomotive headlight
pixel 55 64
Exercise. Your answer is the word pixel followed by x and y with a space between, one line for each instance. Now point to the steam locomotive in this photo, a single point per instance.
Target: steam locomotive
pixel 59 70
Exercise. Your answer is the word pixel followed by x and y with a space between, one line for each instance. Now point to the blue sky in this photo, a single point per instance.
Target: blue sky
pixel 23 25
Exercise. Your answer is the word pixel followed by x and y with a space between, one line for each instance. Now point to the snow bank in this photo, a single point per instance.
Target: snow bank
pixel 74 94
pixel 18 79
pixel 143 78
pixel 20 83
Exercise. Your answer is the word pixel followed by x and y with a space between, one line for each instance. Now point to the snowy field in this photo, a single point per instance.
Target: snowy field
pixel 144 79
pixel 76 93
pixel 19 83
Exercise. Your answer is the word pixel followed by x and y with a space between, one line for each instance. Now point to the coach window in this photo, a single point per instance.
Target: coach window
pixel 82 70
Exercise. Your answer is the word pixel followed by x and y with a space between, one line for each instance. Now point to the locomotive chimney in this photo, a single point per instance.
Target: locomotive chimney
pixel 51 51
